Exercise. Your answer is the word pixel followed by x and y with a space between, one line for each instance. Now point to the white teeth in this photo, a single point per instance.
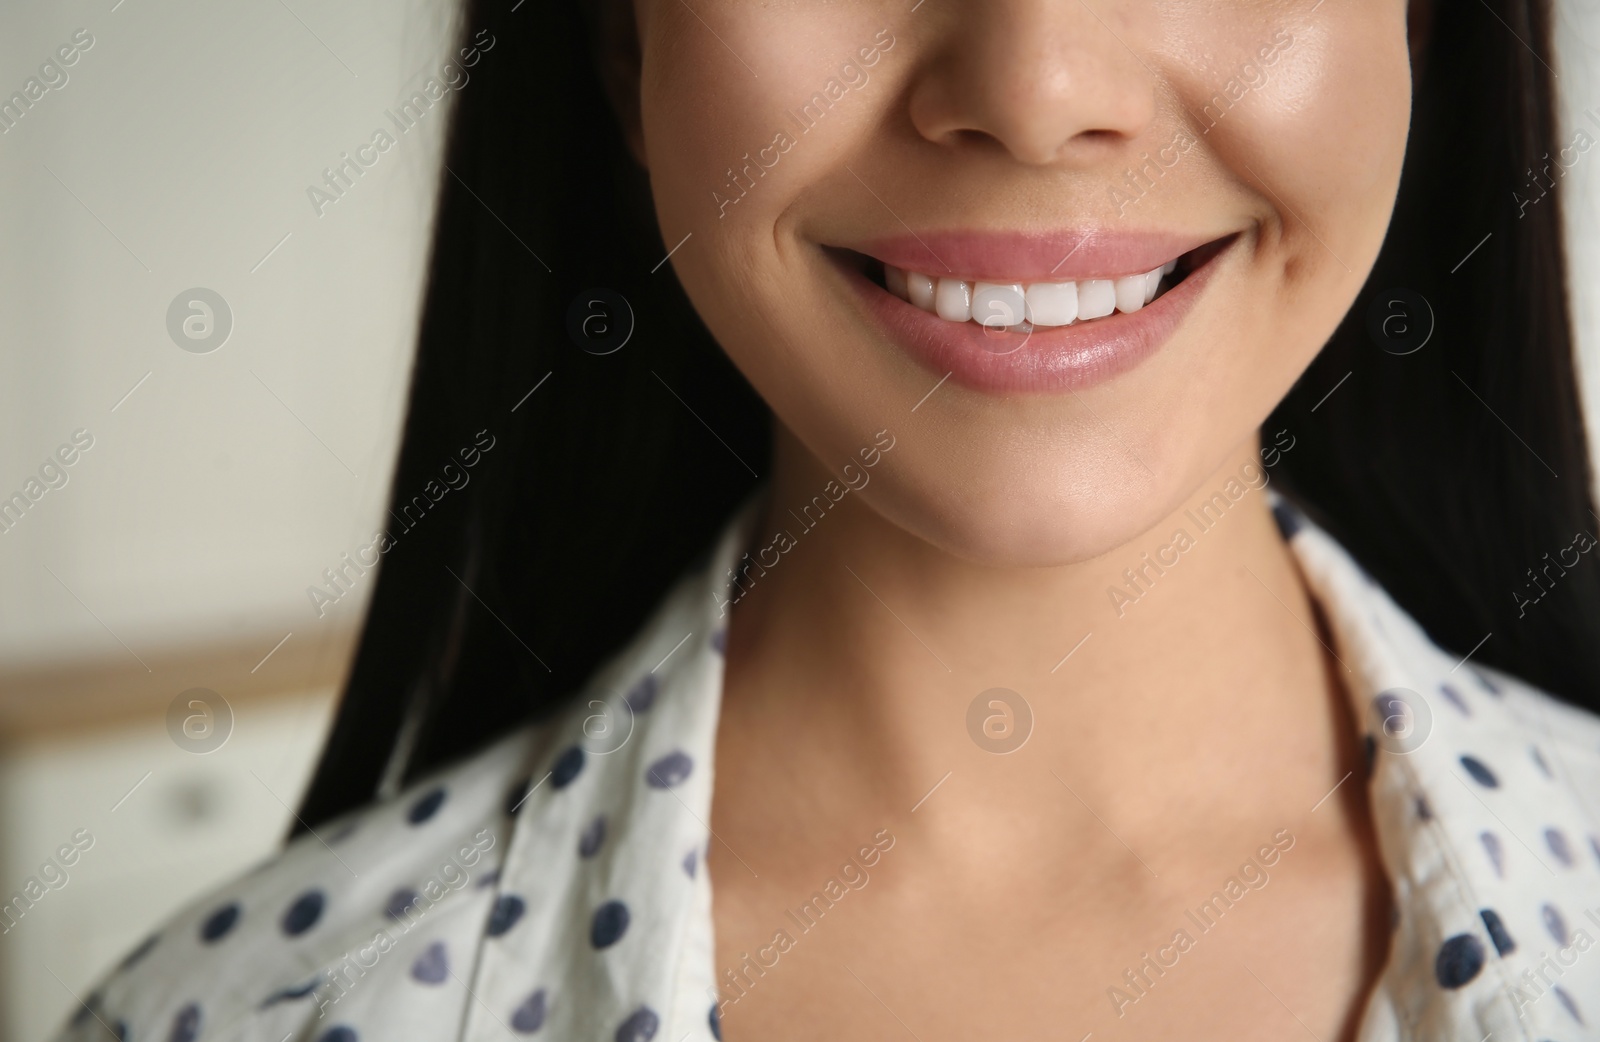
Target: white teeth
pixel 1097 298
pixel 1129 292
pixel 952 299
pixel 1053 303
pixel 996 304
pixel 1152 282
pixel 1018 306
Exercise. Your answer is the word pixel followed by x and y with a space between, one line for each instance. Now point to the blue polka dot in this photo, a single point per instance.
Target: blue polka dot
pixel 1497 855
pixel 1424 809
pixel 140 952
pixel 1453 696
pixel 488 879
pixel 719 640
pixel 610 923
pixel 339 1033
pixel 426 806
pixel 1459 960
pixel 1480 773
pixel 1556 840
pixel 567 767
pixel 297 991
pixel 120 1030
pixel 1566 1000
pixel 1539 762
pixel 715 1017
pixel 218 923
pixel 186 1025
pixel 593 836
pixel 690 860
pixel 519 793
pixel 304 913
pixel 1287 517
pixel 670 770
pixel 1555 925
pixel 433 965
pixel 642 695
pixel 640 1026
pixel 529 1017
pixel 400 903
pixel 1488 685
pixel 1503 944
pixel 507 910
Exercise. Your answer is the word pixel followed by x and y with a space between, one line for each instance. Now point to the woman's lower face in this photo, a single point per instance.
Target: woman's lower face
pixel 1111 233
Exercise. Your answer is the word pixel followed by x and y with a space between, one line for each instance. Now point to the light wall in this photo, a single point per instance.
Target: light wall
pixel 177 154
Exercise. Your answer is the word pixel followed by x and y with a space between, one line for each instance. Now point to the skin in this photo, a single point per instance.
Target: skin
pixel 1192 726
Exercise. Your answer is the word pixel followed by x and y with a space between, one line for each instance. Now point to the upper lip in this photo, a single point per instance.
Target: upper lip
pixel 1063 255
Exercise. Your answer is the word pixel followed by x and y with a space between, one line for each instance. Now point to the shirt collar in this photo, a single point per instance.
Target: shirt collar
pixel 1479 824
pixel 625 938
pixel 1474 827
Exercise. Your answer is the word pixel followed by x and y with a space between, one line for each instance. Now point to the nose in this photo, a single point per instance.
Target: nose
pixel 1048 81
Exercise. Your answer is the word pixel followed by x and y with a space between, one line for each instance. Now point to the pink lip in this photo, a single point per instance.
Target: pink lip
pixel 1058 256
pixel 1050 360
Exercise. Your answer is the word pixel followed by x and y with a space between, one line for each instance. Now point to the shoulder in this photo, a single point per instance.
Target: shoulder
pixel 271 947
pixel 1559 740
pixel 1502 733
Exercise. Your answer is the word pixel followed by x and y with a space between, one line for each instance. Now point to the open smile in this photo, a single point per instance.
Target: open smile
pixel 1009 313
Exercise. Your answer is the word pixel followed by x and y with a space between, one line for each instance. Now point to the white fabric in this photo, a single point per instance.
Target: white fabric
pixel 1468 860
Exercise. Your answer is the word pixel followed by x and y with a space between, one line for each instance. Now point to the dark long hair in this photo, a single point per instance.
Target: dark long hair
pixel 1450 471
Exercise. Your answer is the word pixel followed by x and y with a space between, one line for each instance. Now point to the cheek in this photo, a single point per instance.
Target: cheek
pixel 742 134
pixel 1322 136
pixel 1334 116
pixel 723 101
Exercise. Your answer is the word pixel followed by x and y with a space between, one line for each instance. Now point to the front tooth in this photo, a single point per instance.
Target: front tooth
pixel 997 304
pixel 920 290
pixel 894 280
pixel 1053 303
pixel 953 300
pixel 1130 293
pixel 1167 268
pixel 1097 298
pixel 1152 282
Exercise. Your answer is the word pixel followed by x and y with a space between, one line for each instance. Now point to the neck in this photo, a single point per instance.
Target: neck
pixel 1166 678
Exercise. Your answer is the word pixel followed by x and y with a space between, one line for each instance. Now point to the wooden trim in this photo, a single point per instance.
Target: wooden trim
pixel 53 699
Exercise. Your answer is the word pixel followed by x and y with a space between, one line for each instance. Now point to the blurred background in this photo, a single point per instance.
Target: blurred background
pixel 157 149
pixel 183 291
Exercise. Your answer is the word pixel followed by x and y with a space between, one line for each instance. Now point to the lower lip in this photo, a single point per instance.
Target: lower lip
pixel 1049 360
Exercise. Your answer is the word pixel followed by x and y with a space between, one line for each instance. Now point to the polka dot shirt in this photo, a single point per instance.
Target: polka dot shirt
pixel 553 885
